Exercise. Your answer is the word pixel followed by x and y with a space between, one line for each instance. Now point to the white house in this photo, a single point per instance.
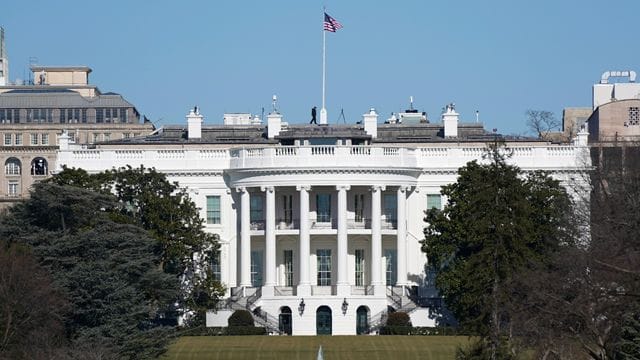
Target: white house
pixel 320 225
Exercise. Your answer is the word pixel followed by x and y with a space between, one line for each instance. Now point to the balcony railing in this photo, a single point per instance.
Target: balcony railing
pixel 329 223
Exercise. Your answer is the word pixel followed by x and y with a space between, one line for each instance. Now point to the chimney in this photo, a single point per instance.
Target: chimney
pixel 450 120
pixel 194 124
pixel 370 121
pixel 63 141
pixel 582 139
pixel 274 125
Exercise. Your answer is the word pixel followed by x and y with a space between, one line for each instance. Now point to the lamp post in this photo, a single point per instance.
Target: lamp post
pixel 345 306
pixel 301 307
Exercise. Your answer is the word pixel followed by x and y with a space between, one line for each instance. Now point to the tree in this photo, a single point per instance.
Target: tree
pixel 498 221
pixel 31 308
pixel 109 270
pixel 147 199
pixel 542 122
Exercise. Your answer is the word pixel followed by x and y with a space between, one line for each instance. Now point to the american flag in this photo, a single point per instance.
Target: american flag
pixel 331 24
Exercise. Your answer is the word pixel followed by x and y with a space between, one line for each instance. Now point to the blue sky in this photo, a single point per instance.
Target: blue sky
pixel 498 57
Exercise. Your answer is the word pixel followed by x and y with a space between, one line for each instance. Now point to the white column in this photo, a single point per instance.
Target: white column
pixel 401 245
pixel 245 238
pixel 376 240
pixel 304 286
pixel 270 242
pixel 343 288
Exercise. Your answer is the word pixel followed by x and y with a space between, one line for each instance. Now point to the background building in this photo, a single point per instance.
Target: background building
pixel 320 225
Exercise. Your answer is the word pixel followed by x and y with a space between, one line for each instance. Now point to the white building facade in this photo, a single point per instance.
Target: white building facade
pixel 320 225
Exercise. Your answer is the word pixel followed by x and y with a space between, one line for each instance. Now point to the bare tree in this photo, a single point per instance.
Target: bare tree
pixel 542 122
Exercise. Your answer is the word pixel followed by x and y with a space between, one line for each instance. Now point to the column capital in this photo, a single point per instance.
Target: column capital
pixel 404 188
pixel 378 188
pixel 267 188
pixel 343 187
pixel 241 189
pixel 303 187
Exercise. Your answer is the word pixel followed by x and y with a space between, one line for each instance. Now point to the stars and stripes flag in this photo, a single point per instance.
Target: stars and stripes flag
pixel 331 24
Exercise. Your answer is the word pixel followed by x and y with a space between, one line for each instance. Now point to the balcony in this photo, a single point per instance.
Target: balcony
pixel 326 224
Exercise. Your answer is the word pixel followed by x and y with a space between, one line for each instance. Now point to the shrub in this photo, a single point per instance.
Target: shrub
pixel 241 318
pixel 246 330
pixel 398 319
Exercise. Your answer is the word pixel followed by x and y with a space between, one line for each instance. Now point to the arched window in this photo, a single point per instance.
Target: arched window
pixel 39 166
pixel 362 320
pixel 323 321
pixel 284 320
pixel 12 166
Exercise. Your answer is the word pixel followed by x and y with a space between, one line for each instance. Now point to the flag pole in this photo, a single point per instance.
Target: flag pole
pixel 323 110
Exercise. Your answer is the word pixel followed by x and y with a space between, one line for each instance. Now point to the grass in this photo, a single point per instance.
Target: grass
pixel 306 347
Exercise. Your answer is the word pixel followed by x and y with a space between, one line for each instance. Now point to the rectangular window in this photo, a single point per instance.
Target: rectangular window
pixel 434 201
pixel 216 267
pixel 96 138
pixel 123 115
pixel 7 139
pixel 256 208
pixel 287 207
pixel 72 137
pixel 84 116
pixel 12 189
pixel 288 268
pixel 323 207
pixel 390 207
pixel 634 115
pixel 44 139
pixel 213 209
pixel 34 139
pixel 18 138
pixel 126 135
pixel 107 136
pixel 359 267
pixel 99 115
pixel 324 266
pixel 391 267
pixel 358 205
pixel 256 268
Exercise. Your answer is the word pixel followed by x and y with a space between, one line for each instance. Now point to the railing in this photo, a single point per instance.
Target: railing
pixel 287 224
pixel 257 225
pixel 284 290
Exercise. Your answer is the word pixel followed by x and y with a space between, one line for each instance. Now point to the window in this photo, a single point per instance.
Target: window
pixel 434 201
pixel 323 207
pixel 12 166
pixel 256 268
pixel 634 115
pixel 39 166
pixel 390 256
pixel 106 136
pixel 12 188
pixel 287 206
pixel 288 268
pixel 256 208
pixel 359 267
pixel 44 139
pixel 18 138
pixel 324 266
pixel 8 116
pixel 358 205
pixel 72 137
pixel 39 115
pixel 34 139
pixel 126 135
pixel 215 266
pixel 84 116
pixel 96 137
pixel 123 115
pixel 7 139
pixel 99 115
pixel 390 207
pixel 213 209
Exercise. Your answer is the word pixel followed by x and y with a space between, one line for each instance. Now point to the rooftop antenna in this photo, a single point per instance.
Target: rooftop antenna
pixel 274 100
pixel 344 120
pixel 411 102
pixel 477 116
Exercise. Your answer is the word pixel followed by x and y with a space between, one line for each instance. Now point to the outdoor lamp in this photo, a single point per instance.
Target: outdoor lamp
pixel 345 306
pixel 301 307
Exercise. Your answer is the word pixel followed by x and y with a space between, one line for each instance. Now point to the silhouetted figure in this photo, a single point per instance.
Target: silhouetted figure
pixel 313 116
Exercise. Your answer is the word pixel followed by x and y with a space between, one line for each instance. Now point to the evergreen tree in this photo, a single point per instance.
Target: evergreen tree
pixel 108 270
pixel 498 221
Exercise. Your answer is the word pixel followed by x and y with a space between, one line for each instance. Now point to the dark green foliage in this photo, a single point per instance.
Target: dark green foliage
pixel 110 271
pixel 241 318
pixel 481 350
pixel 31 308
pixel 246 330
pixel 398 323
pixel 498 221
pixel 627 346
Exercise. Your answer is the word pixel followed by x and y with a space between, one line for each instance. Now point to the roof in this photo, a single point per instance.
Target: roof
pixel 56 97
pixel 38 68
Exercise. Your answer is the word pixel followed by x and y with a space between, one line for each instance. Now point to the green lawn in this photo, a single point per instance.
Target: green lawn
pixel 306 347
